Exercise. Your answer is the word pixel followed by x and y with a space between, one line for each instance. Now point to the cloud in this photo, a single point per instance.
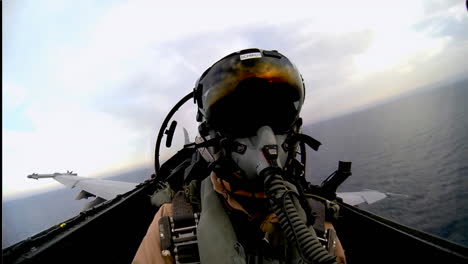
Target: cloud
pixel 442 26
pixel 326 60
pixel 418 71
pixel 13 95
pixel 166 77
pixel 330 64
pixel 87 142
pixel 436 6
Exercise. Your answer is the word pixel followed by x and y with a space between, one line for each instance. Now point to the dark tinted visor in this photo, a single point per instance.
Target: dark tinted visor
pixel 250 89
pixel 255 103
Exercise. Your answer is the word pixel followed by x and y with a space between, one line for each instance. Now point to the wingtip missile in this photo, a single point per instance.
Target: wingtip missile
pixel 37 176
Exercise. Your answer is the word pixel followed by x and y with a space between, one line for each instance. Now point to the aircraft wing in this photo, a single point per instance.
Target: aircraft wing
pixel 105 189
pixel 355 198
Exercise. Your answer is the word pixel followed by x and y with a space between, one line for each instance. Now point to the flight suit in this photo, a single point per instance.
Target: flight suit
pixel 211 242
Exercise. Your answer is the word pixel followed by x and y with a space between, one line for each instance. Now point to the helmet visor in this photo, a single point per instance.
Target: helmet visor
pixel 255 103
pixel 241 95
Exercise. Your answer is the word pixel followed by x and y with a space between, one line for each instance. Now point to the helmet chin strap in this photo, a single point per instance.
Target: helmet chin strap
pixel 253 155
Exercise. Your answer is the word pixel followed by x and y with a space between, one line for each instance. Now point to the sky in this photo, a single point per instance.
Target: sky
pixel 86 84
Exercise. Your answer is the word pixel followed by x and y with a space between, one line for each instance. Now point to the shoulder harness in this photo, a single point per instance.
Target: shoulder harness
pixel 178 233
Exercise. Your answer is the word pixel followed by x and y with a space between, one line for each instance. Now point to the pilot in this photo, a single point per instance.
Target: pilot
pixel 248 108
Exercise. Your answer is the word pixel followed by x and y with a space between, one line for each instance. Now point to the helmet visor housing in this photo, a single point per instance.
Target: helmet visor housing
pixel 250 89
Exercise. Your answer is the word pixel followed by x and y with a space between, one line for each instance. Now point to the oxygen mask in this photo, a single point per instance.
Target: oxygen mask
pixel 254 155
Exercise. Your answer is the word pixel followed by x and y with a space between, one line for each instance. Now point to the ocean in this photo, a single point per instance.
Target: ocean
pixel 415 146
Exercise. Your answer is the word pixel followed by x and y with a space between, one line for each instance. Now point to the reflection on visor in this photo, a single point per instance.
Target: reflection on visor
pixel 255 103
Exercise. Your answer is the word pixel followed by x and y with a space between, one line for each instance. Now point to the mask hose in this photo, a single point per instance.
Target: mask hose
pixel 283 204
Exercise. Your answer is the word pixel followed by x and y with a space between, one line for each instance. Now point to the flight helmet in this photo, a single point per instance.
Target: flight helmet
pixel 249 89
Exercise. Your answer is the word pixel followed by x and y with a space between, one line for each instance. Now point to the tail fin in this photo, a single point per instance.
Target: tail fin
pixel 186 137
